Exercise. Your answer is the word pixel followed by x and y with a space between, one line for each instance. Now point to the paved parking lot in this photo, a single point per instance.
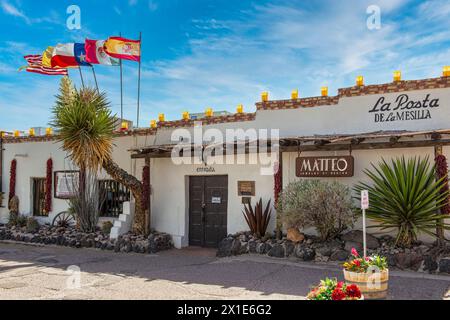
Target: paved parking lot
pixel 30 272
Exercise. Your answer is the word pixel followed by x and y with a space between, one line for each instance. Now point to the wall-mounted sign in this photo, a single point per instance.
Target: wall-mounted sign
pixel 403 108
pixel 246 188
pixel 327 166
pixel 66 183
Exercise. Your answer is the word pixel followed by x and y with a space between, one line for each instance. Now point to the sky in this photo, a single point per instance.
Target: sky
pixel 220 53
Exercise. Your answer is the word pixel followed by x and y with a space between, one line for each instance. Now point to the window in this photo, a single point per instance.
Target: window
pixel 113 194
pixel 38 193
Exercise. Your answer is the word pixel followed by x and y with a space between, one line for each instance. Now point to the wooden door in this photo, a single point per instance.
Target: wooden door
pixel 208 198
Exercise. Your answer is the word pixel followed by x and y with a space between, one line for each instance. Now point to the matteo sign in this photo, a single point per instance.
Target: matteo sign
pixel 327 166
pixel 403 108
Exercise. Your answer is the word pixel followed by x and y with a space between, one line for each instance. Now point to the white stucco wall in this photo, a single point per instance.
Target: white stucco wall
pixel 31 163
pixel 170 197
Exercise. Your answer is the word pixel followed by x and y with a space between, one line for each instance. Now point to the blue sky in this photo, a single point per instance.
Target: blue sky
pixel 199 53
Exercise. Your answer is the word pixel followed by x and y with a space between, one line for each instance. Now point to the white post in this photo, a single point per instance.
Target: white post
pixel 364 234
pixel 364 206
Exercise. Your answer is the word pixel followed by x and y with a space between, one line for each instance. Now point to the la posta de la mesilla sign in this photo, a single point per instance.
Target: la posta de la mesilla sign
pixel 403 108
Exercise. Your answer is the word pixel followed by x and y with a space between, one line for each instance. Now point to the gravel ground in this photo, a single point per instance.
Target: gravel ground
pixel 32 272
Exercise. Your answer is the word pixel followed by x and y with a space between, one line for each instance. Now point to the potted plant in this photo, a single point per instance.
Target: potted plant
pixel 331 289
pixel 370 274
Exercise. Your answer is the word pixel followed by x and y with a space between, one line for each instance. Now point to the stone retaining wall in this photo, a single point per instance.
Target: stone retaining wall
pixel 70 237
pixel 421 257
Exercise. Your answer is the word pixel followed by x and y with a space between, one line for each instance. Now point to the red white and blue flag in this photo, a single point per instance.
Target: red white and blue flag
pixel 69 55
pixel 35 66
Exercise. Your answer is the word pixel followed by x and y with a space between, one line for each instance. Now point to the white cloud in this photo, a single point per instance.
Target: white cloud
pixel 8 8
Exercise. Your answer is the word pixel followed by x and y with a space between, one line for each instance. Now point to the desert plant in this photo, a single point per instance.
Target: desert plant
pixel 106 227
pixel 32 225
pixel 87 201
pixel 17 220
pixel 257 219
pixel 326 206
pixel 405 195
pixel 85 128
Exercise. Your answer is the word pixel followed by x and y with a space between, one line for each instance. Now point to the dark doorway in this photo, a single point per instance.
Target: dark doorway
pixel 38 185
pixel 208 198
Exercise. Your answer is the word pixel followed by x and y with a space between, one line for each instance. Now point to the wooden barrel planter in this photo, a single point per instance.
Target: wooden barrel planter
pixel 362 281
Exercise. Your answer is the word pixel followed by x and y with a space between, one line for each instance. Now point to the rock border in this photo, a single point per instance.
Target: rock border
pixel 420 258
pixel 70 237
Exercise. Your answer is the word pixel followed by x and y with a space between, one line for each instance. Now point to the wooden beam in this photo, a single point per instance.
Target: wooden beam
pixel 368 146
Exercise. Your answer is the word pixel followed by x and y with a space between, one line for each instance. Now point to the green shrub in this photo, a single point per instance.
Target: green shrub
pixel 32 224
pixel 406 196
pixel 326 206
pixel 17 220
pixel 106 227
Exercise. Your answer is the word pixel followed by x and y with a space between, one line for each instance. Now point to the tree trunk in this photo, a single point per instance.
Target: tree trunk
pixel 132 183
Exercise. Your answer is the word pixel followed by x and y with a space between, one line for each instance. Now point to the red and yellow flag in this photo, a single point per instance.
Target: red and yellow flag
pixel 121 48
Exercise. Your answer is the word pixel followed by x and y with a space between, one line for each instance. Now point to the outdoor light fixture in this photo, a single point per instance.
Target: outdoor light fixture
pixel 186 115
pixel 31 132
pixel 264 96
pixel 153 124
pixel 17 133
pixel 161 117
pixel 397 76
pixel 446 71
pixel 359 81
pixel 240 108
pixel 324 91
pixel 124 126
pixel 294 94
pixel 49 131
pixel 209 112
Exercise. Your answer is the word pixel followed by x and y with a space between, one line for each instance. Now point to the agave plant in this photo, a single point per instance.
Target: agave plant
pixel 405 195
pixel 257 220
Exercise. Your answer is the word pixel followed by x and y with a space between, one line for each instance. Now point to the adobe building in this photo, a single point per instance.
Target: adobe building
pixel 201 201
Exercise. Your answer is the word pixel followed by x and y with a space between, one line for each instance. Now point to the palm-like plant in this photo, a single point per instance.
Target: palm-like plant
pixel 406 195
pixel 85 128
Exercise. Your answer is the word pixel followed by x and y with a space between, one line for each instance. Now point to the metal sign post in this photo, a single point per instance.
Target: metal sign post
pixel 364 206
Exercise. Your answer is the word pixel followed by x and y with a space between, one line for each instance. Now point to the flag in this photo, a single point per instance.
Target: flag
pixel 69 55
pixel 35 65
pixel 47 57
pixel 122 48
pixel 95 53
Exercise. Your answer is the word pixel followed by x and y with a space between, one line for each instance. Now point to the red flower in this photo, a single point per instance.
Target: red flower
pixel 353 291
pixel 355 253
pixel 338 294
pixel 339 285
pixel 357 263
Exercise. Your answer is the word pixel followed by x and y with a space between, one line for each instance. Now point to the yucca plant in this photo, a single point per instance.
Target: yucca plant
pixel 405 195
pixel 257 219
pixel 85 127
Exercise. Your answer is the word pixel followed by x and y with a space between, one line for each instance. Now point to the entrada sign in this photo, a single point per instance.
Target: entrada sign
pixel 403 109
pixel 327 166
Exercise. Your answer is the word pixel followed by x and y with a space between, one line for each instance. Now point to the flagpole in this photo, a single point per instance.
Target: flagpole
pixel 139 78
pixel 121 88
pixel 81 76
pixel 95 79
